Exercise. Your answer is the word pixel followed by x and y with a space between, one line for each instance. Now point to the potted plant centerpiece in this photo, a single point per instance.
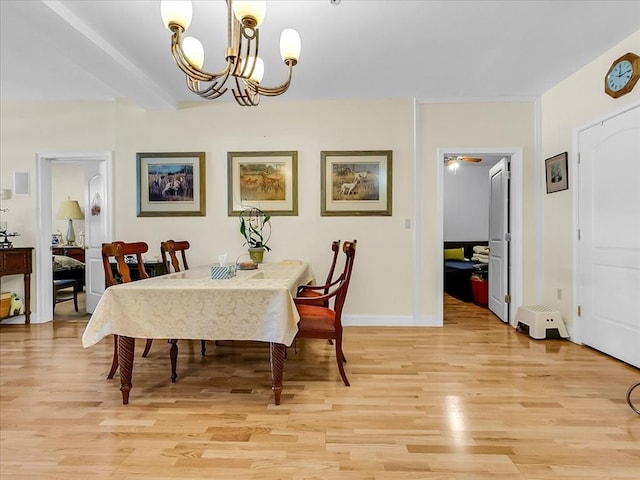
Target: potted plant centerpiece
pixel 255 227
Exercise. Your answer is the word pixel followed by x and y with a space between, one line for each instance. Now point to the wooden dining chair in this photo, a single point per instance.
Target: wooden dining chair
pixel 169 251
pixel 120 252
pixel 335 248
pixel 324 322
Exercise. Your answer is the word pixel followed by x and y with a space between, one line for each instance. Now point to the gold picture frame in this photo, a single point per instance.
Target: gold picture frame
pixel 266 180
pixel 356 183
pixel 171 184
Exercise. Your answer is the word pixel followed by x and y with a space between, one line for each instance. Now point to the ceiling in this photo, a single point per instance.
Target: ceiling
pixel 429 50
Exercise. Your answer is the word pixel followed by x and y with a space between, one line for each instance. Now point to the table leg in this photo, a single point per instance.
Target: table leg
pixel 277 351
pixel 126 347
pixel 27 297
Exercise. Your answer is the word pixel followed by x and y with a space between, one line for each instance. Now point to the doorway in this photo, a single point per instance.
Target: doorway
pixel 95 165
pixel 515 201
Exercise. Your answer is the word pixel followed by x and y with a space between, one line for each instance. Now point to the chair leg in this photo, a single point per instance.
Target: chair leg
pixel 203 347
pixel 173 355
pixel 75 296
pixel 341 361
pixel 147 347
pixel 114 363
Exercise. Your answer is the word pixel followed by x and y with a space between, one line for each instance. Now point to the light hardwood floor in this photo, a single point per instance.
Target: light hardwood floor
pixel 472 400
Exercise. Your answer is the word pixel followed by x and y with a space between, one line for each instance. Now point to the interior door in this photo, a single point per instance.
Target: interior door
pixel 608 273
pixel 498 243
pixel 96 230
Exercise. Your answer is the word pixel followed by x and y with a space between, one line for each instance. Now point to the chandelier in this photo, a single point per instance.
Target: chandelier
pixel 244 68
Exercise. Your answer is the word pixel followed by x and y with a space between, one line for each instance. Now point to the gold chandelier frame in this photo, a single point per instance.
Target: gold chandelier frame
pixel 243 41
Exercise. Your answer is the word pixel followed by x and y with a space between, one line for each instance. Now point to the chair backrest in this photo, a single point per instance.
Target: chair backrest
pixel 335 247
pixel 168 250
pixel 349 249
pixel 119 251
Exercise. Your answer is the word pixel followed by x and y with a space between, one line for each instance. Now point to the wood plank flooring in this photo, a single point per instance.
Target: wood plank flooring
pixel 472 400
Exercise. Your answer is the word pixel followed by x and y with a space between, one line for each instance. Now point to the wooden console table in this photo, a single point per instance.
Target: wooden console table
pixel 16 261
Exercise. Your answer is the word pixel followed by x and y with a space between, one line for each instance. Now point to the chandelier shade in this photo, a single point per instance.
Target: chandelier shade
pixel 244 68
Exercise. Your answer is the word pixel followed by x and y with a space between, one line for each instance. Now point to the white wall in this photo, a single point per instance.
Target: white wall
pixel 383 287
pixel 384 246
pixel 466 203
pixel 216 128
pixel 472 126
pixel 573 103
pixel 27 128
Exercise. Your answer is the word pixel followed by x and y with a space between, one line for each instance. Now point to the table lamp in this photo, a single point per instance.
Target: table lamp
pixel 70 210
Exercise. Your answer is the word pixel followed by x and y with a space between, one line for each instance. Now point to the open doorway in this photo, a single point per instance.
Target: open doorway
pixel 97 179
pixel 469 199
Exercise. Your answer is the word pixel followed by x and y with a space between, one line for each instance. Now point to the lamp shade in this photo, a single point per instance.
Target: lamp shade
pixel 290 45
pixel 179 12
pixel 70 209
pixel 253 10
pixel 194 51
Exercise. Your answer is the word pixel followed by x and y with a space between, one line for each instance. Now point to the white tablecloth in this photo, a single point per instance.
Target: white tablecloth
pixel 253 305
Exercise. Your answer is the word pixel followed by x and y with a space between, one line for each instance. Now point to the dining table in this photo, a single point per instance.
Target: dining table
pixel 252 305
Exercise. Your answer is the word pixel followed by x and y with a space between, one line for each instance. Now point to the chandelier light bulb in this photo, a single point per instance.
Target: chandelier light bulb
pixel 194 51
pixel 176 11
pixel 255 10
pixel 258 70
pixel 290 45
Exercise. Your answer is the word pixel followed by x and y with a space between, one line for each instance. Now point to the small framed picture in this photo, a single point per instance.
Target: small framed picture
pixel 171 184
pixel 557 172
pixel 356 183
pixel 266 180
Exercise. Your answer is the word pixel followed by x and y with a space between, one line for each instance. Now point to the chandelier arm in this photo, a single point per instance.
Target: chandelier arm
pixel 245 97
pixel 247 47
pixel 272 91
pixel 213 91
pixel 184 65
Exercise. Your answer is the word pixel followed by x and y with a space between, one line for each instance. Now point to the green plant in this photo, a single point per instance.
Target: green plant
pixel 255 227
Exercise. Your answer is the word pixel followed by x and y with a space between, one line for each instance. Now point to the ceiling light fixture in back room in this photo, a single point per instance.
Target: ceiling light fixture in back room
pixel 453 163
pixel 244 66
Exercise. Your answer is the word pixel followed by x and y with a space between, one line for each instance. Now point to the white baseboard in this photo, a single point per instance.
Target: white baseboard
pixel 390 321
pixel 17 320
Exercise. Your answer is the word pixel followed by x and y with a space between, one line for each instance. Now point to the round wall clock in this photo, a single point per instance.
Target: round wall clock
pixel 622 75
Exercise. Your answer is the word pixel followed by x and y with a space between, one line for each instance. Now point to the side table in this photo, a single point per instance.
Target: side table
pixel 18 261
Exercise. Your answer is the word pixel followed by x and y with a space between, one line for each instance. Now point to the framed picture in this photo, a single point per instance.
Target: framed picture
pixel 266 180
pixel 557 173
pixel 171 184
pixel 356 183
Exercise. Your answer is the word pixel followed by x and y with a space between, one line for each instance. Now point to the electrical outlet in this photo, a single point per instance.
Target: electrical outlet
pixel 559 294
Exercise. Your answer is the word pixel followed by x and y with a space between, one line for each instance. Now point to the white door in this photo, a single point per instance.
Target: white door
pixel 608 273
pixel 498 244
pixel 96 230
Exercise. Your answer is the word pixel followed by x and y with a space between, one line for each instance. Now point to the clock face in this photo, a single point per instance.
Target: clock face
pixel 619 75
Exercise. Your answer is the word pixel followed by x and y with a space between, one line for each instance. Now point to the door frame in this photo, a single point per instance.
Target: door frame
pixel 44 212
pixel 516 259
